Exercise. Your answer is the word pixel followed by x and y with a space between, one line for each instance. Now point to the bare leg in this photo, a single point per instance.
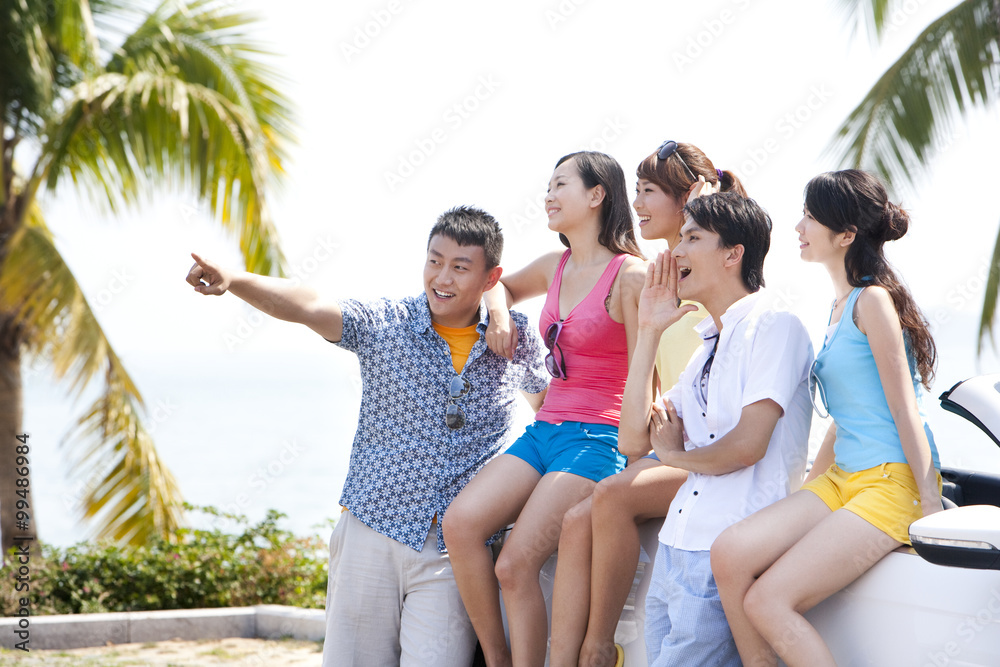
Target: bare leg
pixel 529 545
pixel 489 502
pixel 571 591
pixel 838 550
pixel 745 550
pixel 620 504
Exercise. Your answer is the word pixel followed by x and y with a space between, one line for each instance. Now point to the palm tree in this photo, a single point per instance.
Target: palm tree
pixel 952 66
pixel 118 98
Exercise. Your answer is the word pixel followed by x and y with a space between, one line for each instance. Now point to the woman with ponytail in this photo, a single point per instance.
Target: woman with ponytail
pixel 599 544
pixel 877 469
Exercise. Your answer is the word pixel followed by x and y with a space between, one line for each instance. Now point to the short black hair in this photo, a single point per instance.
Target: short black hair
pixel 468 225
pixel 738 221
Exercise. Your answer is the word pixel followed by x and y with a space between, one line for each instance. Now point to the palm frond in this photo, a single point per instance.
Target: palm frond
pixel 206 42
pixel 131 493
pixel 26 74
pixel 988 316
pixel 870 15
pixel 184 102
pixel 952 65
pixel 124 133
pixel 71 25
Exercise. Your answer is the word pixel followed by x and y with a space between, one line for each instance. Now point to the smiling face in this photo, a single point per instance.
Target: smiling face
pixel 660 214
pixel 819 243
pixel 455 277
pixel 702 261
pixel 568 200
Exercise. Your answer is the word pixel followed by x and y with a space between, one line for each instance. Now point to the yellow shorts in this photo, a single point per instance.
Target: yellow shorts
pixel 885 496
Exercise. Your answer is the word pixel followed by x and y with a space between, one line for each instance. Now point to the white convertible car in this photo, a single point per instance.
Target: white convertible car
pixel 934 605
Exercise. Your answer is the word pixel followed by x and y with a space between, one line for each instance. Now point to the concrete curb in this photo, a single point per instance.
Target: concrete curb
pixel 68 631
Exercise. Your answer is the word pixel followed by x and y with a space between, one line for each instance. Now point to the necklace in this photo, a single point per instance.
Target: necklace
pixel 838 300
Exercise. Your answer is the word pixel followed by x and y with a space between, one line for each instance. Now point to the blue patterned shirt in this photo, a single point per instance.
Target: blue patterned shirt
pixel 406 464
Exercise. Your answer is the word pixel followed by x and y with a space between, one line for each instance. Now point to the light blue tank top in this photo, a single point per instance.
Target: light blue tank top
pixel 866 433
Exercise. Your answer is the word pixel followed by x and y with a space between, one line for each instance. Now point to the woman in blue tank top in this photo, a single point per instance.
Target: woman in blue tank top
pixel 877 470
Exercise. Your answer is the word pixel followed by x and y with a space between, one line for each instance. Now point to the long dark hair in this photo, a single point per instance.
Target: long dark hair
pixel 856 201
pixel 616 232
pixel 671 176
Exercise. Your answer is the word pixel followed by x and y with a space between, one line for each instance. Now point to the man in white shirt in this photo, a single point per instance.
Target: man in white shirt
pixel 737 420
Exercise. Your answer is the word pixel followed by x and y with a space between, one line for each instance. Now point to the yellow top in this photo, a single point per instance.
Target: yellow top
pixel 460 342
pixel 677 345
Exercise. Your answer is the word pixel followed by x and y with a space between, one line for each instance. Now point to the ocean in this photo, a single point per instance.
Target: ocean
pixel 249 431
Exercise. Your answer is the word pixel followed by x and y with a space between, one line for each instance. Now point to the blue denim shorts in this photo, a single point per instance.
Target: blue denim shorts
pixel 587 450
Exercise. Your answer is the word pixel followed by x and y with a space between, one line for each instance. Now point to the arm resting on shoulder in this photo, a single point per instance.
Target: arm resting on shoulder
pixel 532 280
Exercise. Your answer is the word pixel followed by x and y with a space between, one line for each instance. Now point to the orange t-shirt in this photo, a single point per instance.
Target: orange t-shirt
pixel 460 342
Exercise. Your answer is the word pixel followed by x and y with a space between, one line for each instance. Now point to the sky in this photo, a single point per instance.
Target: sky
pixel 405 109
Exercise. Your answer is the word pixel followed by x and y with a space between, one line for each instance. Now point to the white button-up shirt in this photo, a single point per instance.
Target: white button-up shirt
pixel 762 353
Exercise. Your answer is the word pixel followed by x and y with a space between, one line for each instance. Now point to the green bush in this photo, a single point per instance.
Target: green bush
pixel 193 569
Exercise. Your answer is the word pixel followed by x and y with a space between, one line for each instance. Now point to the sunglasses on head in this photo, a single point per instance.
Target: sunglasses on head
pixel 555 367
pixel 668 148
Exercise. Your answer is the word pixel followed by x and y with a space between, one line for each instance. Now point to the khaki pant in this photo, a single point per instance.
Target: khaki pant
pixel 390 605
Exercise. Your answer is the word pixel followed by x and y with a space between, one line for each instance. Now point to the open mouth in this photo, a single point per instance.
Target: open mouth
pixel 443 295
pixel 684 272
pixel 643 219
pixel 551 211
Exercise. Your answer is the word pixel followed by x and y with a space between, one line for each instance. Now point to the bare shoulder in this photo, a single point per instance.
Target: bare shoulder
pixel 875 299
pixel 633 275
pixel 875 311
pixel 550 260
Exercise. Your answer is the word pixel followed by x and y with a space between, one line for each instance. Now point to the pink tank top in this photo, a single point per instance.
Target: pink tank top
pixel 595 352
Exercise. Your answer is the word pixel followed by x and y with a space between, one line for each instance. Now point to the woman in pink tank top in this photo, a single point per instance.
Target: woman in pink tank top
pixel 599 543
pixel 589 325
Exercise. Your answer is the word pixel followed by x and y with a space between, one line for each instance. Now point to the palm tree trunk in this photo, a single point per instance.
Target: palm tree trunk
pixel 11 411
